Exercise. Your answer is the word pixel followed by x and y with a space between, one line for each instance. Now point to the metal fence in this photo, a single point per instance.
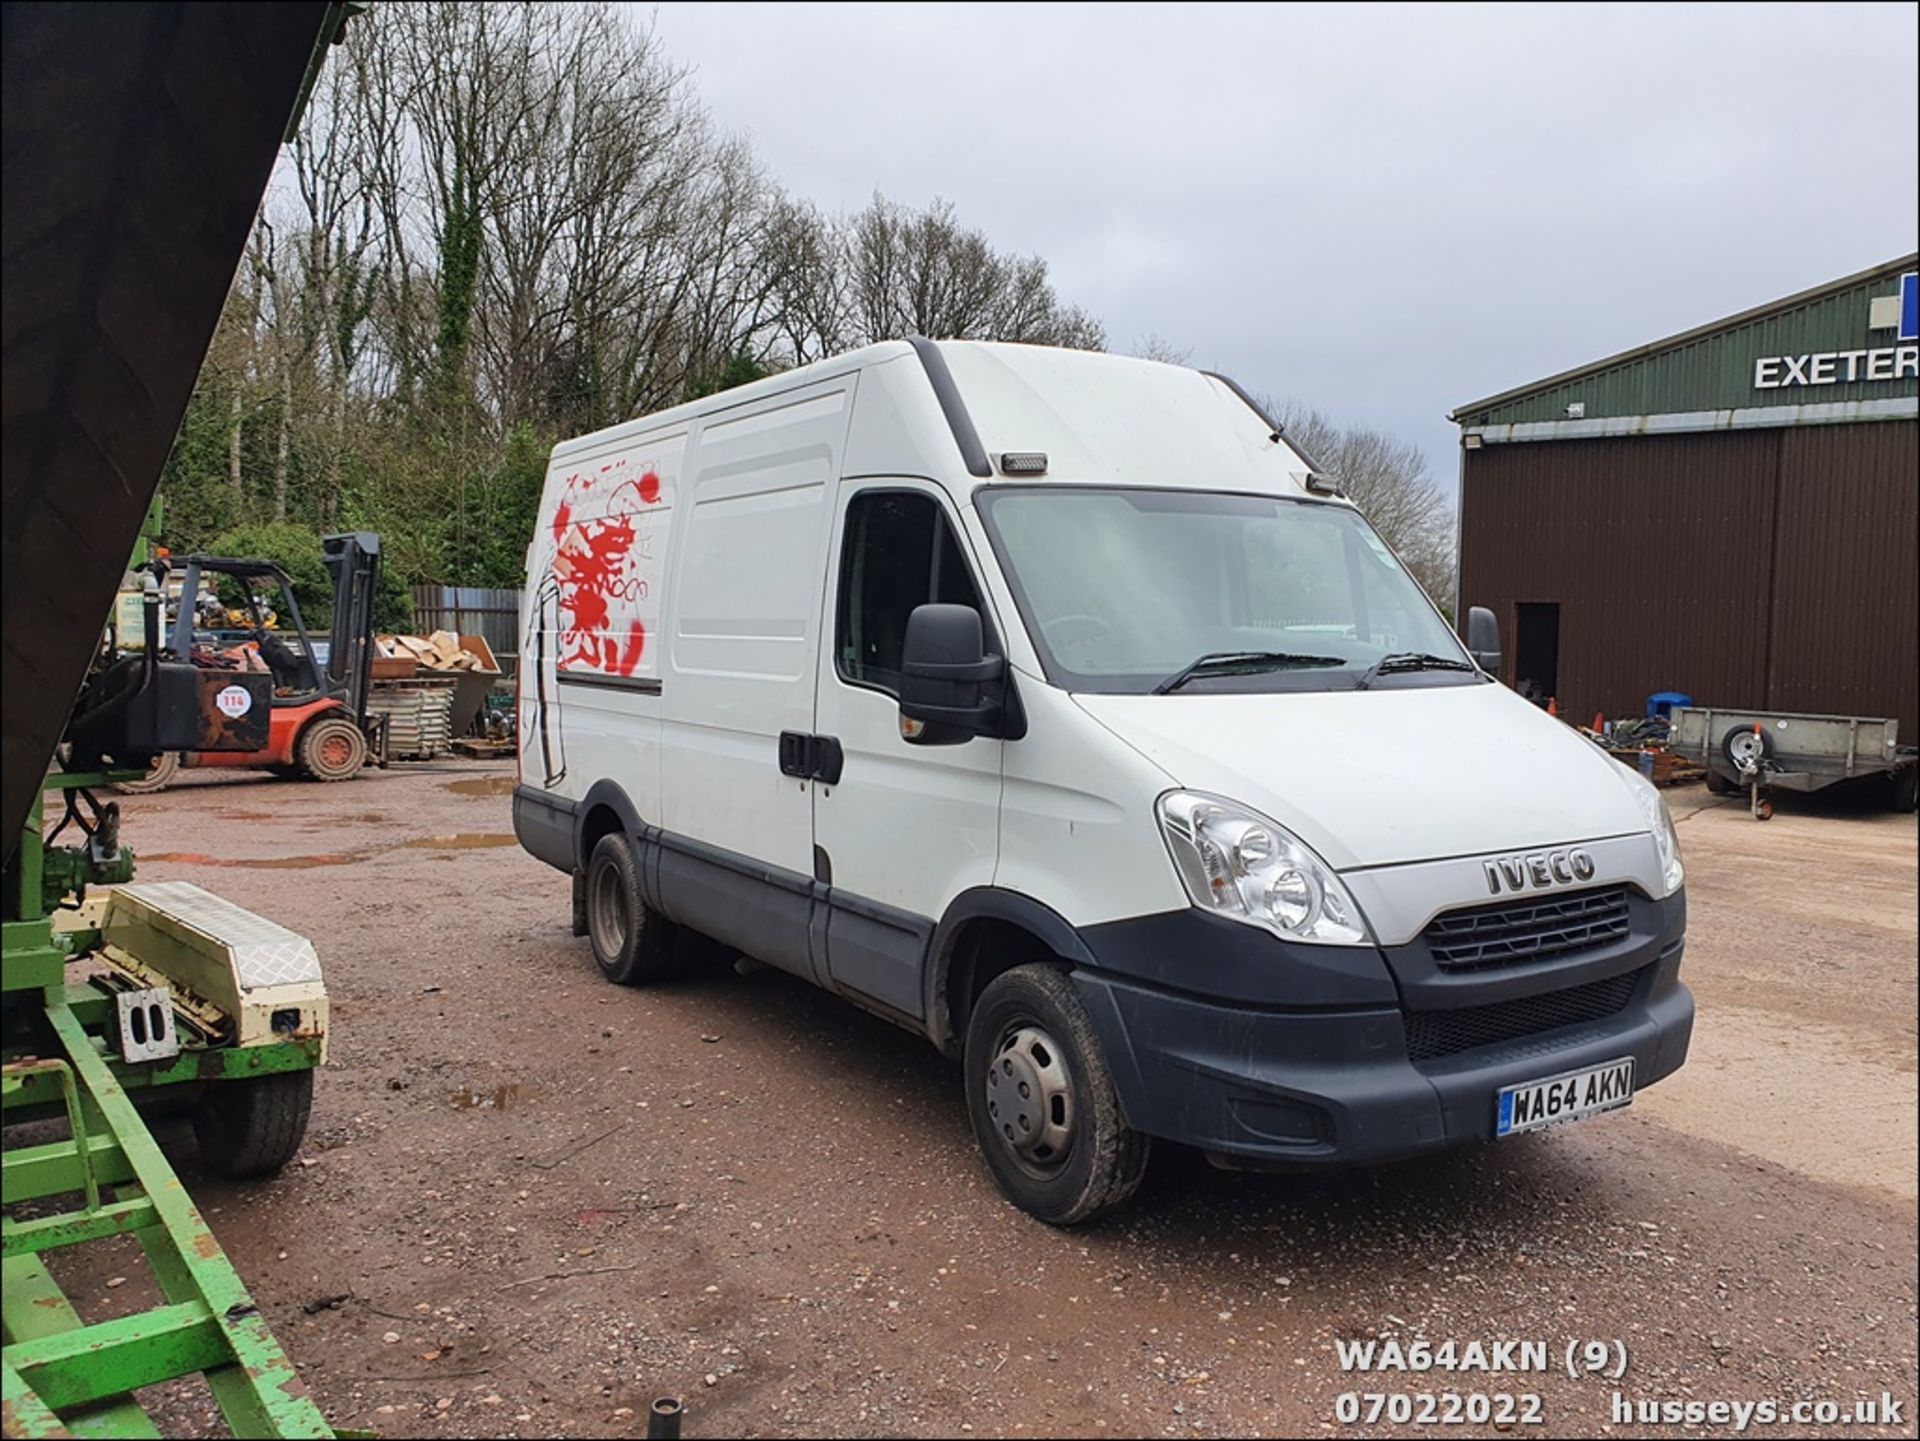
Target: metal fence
pixel 491 612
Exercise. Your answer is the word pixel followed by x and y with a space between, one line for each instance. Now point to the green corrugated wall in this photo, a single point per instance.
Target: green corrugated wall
pixel 1716 371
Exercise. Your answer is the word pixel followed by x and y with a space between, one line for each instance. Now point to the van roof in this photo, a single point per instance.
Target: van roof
pixel 1100 419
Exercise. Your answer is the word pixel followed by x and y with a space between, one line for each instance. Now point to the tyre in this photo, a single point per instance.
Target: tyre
pixel 253 1127
pixel 1043 1104
pixel 1903 788
pixel 632 945
pixel 159 775
pixel 331 748
pixel 1720 785
pixel 1763 811
pixel 1746 746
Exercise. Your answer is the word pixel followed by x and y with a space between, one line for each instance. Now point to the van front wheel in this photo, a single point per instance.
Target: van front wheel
pixel 1043 1104
pixel 631 944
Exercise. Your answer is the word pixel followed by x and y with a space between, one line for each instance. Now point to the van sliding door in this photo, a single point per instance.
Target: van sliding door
pixel 736 859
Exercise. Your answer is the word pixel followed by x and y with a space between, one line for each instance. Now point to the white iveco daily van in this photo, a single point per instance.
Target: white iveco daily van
pixel 1049 704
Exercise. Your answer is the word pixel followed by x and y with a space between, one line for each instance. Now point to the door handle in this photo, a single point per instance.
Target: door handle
pixel 826 759
pixel 793 754
pixel 811 758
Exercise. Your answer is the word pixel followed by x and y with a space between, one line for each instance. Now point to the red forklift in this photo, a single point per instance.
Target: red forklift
pixel 318 725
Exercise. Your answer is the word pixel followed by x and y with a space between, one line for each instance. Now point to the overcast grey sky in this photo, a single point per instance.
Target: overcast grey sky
pixel 1384 211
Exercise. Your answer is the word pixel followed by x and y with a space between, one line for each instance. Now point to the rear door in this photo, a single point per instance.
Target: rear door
pixel 736 856
pixel 908 827
pixel 590 652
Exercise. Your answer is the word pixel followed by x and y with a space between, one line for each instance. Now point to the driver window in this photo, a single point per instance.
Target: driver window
pixel 899 552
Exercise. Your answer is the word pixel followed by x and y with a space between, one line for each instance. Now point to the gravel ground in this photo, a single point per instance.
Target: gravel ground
pixel 535 1201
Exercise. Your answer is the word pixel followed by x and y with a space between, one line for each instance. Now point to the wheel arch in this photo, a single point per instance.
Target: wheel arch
pixel 604 809
pixel 985 931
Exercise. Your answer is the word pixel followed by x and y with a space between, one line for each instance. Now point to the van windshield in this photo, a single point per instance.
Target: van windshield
pixel 1122 590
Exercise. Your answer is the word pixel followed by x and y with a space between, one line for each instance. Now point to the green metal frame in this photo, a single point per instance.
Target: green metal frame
pixel 59 1375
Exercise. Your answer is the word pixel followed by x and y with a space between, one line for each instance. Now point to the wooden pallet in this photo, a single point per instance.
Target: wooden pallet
pixel 479 749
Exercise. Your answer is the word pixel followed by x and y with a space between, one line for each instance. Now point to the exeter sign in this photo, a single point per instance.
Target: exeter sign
pixel 1899 313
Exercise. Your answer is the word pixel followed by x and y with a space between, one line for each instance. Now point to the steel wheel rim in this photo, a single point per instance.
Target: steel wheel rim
pixel 609 912
pixel 336 750
pixel 1029 1098
pixel 1746 748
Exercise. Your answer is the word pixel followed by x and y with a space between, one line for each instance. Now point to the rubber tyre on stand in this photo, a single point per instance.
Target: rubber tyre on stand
pixel 1042 1101
pixel 1903 789
pixel 253 1127
pixel 331 748
pixel 631 943
pixel 1745 745
pixel 159 776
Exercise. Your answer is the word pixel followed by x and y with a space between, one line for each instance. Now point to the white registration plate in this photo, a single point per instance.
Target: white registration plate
pixel 1534 1104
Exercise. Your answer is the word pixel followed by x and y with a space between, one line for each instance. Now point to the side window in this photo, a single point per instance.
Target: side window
pixel 899 552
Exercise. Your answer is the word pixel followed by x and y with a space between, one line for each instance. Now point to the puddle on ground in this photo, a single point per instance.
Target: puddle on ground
pixel 459 843
pixel 259 863
pixel 483 786
pixel 498 1099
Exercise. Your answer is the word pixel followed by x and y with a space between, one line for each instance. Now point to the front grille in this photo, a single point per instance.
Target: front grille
pixel 1531 930
pixel 1444 1033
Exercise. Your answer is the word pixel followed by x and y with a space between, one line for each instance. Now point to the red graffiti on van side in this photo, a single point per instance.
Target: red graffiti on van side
pixel 598 568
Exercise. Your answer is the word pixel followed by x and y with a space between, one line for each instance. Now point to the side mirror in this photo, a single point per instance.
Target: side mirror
pixel 1483 639
pixel 944 678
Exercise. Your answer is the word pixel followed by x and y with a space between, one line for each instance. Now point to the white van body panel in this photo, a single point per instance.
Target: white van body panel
pixel 899 429
pixel 1077 829
pixel 744 620
pixel 1114 420
pixel 1387 777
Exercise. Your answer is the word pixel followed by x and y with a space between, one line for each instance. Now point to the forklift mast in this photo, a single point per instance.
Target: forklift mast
pixel 353 560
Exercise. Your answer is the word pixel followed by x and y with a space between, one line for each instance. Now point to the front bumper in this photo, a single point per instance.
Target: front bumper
pixel 1335 1085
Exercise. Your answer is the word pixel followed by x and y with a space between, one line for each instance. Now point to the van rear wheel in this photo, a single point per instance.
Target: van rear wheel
pixel 631 944
pixel 1043 1104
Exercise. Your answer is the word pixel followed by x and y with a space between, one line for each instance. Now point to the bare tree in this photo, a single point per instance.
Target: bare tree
pixel 912 272
pixel 1154 346
pixel 1387 478
pixel 501 223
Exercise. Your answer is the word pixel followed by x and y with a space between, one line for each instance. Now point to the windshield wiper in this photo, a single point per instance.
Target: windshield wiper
pixel 1405 660
pixel 1228 662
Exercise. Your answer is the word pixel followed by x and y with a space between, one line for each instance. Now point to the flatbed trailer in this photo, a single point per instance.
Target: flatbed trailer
pixel 1758 751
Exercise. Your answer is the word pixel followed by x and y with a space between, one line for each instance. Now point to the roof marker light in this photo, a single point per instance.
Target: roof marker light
pixel 1023 462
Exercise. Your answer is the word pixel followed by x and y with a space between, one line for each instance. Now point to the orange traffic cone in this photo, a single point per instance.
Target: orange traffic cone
pixel 1599 723
pixel 1553 705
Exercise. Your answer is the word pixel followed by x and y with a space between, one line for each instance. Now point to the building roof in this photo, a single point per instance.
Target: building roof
pixel 1727 325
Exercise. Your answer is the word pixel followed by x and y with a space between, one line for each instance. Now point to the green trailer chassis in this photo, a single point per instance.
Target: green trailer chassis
pixel 60 1375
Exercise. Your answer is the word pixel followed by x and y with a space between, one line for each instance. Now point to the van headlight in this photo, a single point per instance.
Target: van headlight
pixel 1666 840
pixel 1239 864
